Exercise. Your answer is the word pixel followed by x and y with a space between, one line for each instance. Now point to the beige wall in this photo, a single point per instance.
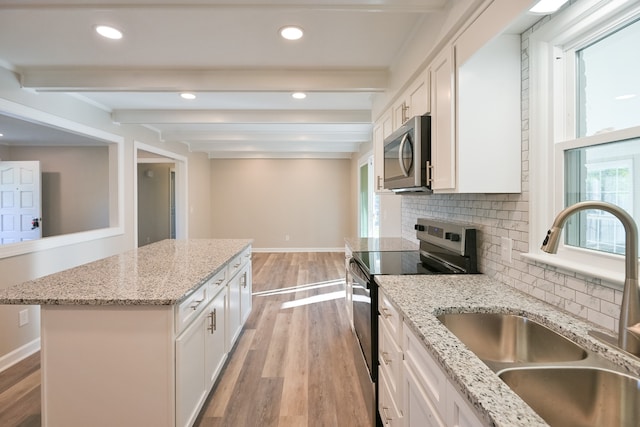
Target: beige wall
pixel 308 200
pixel 75 186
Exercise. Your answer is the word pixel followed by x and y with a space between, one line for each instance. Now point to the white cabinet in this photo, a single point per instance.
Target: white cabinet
pixel 222 306
pixel 239 296
pixel 431 399
pixel 443 153
pixel 381 129
pixel 215 351
pixel 413 102
pixel 475 105
pixel 191 390
pixel 390 393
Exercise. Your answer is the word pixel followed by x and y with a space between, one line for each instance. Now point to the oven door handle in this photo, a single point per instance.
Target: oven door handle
pixel 359 273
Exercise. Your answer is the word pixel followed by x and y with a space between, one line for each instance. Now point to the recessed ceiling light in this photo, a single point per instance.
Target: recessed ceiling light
pixel 1 135
pixel 544 7
pixel 109 32
pixel 291 32
pixel 187 95
pixel 299 95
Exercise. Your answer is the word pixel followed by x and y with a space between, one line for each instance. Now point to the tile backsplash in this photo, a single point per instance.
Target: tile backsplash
pixel 507 215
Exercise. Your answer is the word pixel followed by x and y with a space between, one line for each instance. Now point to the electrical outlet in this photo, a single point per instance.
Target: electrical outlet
pixel 24 317
pixel 505 249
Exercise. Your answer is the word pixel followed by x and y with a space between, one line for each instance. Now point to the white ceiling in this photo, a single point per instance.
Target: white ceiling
pixel 229 53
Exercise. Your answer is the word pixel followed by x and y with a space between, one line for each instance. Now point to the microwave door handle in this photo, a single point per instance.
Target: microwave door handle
pixel 400 150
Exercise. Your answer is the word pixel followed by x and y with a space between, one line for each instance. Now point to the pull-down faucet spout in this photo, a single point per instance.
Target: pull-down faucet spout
pixel 630 307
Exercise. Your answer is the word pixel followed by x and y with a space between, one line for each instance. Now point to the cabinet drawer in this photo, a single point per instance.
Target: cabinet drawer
pixel 388 407
pixel 238 262
pixel 390 357
pixel 189 309
pixel 391 318
pixel 217 282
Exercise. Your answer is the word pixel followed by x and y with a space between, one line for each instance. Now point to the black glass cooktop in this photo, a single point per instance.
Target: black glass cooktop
pixel 394 263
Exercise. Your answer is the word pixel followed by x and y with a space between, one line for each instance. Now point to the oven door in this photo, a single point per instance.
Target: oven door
pixel 365 311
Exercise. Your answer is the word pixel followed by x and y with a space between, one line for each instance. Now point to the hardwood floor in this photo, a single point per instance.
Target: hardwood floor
pixel 292 365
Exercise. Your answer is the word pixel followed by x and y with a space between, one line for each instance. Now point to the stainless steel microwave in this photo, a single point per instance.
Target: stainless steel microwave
pixel 407 157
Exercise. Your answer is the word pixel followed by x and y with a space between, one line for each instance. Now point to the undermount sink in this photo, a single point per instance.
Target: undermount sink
pixel 578 397
pixel 508 338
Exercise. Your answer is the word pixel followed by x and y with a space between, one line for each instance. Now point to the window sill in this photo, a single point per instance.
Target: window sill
pixel 611 277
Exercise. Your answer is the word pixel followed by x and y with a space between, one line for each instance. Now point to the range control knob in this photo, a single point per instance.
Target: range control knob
pixel 419 227
pixel 454 237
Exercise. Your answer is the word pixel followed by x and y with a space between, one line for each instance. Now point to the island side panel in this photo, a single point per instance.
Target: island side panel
pixel 107 366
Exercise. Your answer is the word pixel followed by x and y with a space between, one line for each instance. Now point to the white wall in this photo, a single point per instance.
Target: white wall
pixel 308 200
pixel 21 268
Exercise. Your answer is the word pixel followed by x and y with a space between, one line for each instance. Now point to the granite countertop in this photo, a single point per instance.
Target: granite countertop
pixel 161 273
pixel 381 244
pixel 421 298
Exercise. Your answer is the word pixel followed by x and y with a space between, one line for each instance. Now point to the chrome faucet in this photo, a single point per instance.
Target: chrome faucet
pixel 630 307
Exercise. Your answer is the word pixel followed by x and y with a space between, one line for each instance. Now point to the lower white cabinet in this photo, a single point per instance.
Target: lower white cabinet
pixel 431 399
pixel 215 351
pixel 413 390
pixel 245 293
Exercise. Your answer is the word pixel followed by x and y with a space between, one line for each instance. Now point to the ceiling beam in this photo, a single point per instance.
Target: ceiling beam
pixel 404 6
pixel 99 79
pixel 286 137
pixel 274 147
pixel 241 116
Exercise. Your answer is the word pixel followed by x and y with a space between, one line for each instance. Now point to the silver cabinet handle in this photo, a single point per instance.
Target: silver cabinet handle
pixel 194 306
pixel 429 170
pixel 385 312
pixel 243 280
pixel 212 321
pixel 379 183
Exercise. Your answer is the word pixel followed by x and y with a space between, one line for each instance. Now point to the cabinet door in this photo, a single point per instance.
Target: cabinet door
pixel 215 346
pixel 442 120
pixel 418 96
pixel 234 324
pixel 381 130
pixel 191 390
pixel 419 411
pixel 245 293
pixel 387 406
pixel 459 412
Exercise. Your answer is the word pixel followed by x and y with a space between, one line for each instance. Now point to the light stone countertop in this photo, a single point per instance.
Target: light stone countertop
pixel 421 298
pixel 381 244
pixel 161 273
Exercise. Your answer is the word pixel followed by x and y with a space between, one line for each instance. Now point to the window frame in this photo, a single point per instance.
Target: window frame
pixel 552 127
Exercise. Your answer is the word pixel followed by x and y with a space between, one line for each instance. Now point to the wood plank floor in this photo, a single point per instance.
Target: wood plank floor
pixel 292 365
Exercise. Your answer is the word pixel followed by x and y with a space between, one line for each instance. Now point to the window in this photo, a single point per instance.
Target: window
pixel 585 130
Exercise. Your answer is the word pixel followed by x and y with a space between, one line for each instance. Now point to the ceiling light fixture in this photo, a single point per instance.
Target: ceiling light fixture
pixel 187 95
pixel 291 32
pixel 545 7
pixel 109 32
pixel 299 95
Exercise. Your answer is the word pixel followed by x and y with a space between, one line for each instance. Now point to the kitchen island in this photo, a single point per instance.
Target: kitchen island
pixel 139 338
pixel 419 299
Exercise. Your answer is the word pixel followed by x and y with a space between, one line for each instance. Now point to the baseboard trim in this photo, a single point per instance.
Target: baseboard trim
pixel 254 249
pixel 10 359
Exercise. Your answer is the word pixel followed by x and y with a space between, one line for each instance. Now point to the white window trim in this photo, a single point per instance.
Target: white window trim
pixel 547 100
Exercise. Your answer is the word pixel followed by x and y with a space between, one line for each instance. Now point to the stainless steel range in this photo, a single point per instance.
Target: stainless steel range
pixel 445 248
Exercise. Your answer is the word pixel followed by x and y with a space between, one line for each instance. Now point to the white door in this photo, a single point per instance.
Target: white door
pixel 20 210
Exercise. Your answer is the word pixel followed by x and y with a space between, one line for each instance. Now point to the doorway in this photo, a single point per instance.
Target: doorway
pixel 368 209
pixel 160 189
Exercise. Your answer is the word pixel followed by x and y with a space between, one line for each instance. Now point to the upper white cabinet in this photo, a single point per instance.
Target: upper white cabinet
pixel 443 148
pixel 381 129
pixel 475 105
pixel 414 101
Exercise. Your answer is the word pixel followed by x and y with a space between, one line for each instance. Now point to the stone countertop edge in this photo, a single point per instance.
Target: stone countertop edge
pixel 380 244
pixel 421 298
pixel 162 273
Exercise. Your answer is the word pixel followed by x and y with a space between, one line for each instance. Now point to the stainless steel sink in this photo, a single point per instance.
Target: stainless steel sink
pixel 508 338
pixel 578 397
